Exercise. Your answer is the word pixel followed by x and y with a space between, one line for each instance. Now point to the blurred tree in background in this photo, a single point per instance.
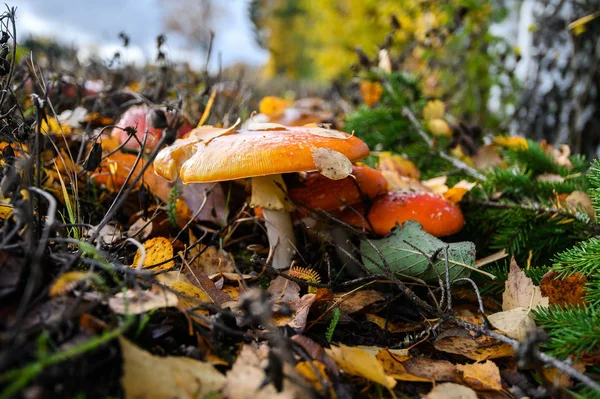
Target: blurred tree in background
pixel 447 45
pixel 559 102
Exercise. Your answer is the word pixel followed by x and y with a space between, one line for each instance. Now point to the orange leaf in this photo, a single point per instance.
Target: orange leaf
pixel 371 92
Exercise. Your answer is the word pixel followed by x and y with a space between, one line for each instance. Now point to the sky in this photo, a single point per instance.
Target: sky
pixel 94 25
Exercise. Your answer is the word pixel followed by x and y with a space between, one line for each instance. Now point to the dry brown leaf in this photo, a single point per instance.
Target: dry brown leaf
pixel 301 309
pixel 208 133
pixel 481 376
pixel 450 390
pixel 434 370
pixel 149 376
pixel 401 327
pixel 561 379
pixel 487 157
pixel 283 290
pixel 580 201
pixel 568 290
pixel 520 290
pixel 319 131
pixel 253 126
pixel 356 301
pixel 217 296
pixel 331 164
pixel 138 301
pixel 245 378
pixel 357 361
pixel 461 342
pixel 159 252
pixel 393 366
pixel 516 323
pixel 210 261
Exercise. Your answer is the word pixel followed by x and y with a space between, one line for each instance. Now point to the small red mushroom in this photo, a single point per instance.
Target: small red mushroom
pixel 319 192
pixel 437 216
pixel 136 117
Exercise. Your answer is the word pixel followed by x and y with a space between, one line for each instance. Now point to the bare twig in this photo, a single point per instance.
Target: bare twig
pixel 455 162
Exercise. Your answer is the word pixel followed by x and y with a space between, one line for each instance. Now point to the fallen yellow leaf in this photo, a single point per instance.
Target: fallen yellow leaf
pixel 159 255
pixel 358 362
pixel 149 376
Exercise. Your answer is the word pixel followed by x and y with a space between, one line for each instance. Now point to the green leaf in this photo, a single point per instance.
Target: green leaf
pixel 404 259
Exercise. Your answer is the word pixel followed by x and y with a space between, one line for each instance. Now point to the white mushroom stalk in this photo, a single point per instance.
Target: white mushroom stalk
pixel 269 193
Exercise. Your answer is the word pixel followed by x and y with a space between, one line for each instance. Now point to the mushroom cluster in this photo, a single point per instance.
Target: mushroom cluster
pixel 262 153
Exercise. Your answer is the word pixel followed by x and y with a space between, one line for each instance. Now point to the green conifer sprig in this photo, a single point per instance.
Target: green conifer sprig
pixel 572 330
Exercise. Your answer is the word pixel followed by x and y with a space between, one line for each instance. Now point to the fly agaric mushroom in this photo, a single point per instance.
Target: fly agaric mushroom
pixel 437 216
pixel 263 153
pixel 136 117
pixel 317 192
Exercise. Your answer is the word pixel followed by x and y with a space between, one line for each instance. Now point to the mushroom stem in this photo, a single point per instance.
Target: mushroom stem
pixel 269 193
pixel 282 241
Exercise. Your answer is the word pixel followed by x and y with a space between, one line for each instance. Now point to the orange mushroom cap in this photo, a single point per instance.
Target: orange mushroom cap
pixel 250 153
pixel 437 216
pixel 319 192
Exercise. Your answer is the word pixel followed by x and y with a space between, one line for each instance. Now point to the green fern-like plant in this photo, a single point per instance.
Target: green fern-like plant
pixel 335 318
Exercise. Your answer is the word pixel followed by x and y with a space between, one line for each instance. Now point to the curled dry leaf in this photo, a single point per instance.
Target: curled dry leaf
pixel 580 201
pixel 331 163
pixel 137 301
pixel 159 255
pixel 451 390
pixel 149 376
pixel 358 362
pixel 516 323
pixel 254 126
pixel 567 290
pixel 301 309
pixel 481 376
pixel 319 131
pixel 520 290
pixel 462 342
